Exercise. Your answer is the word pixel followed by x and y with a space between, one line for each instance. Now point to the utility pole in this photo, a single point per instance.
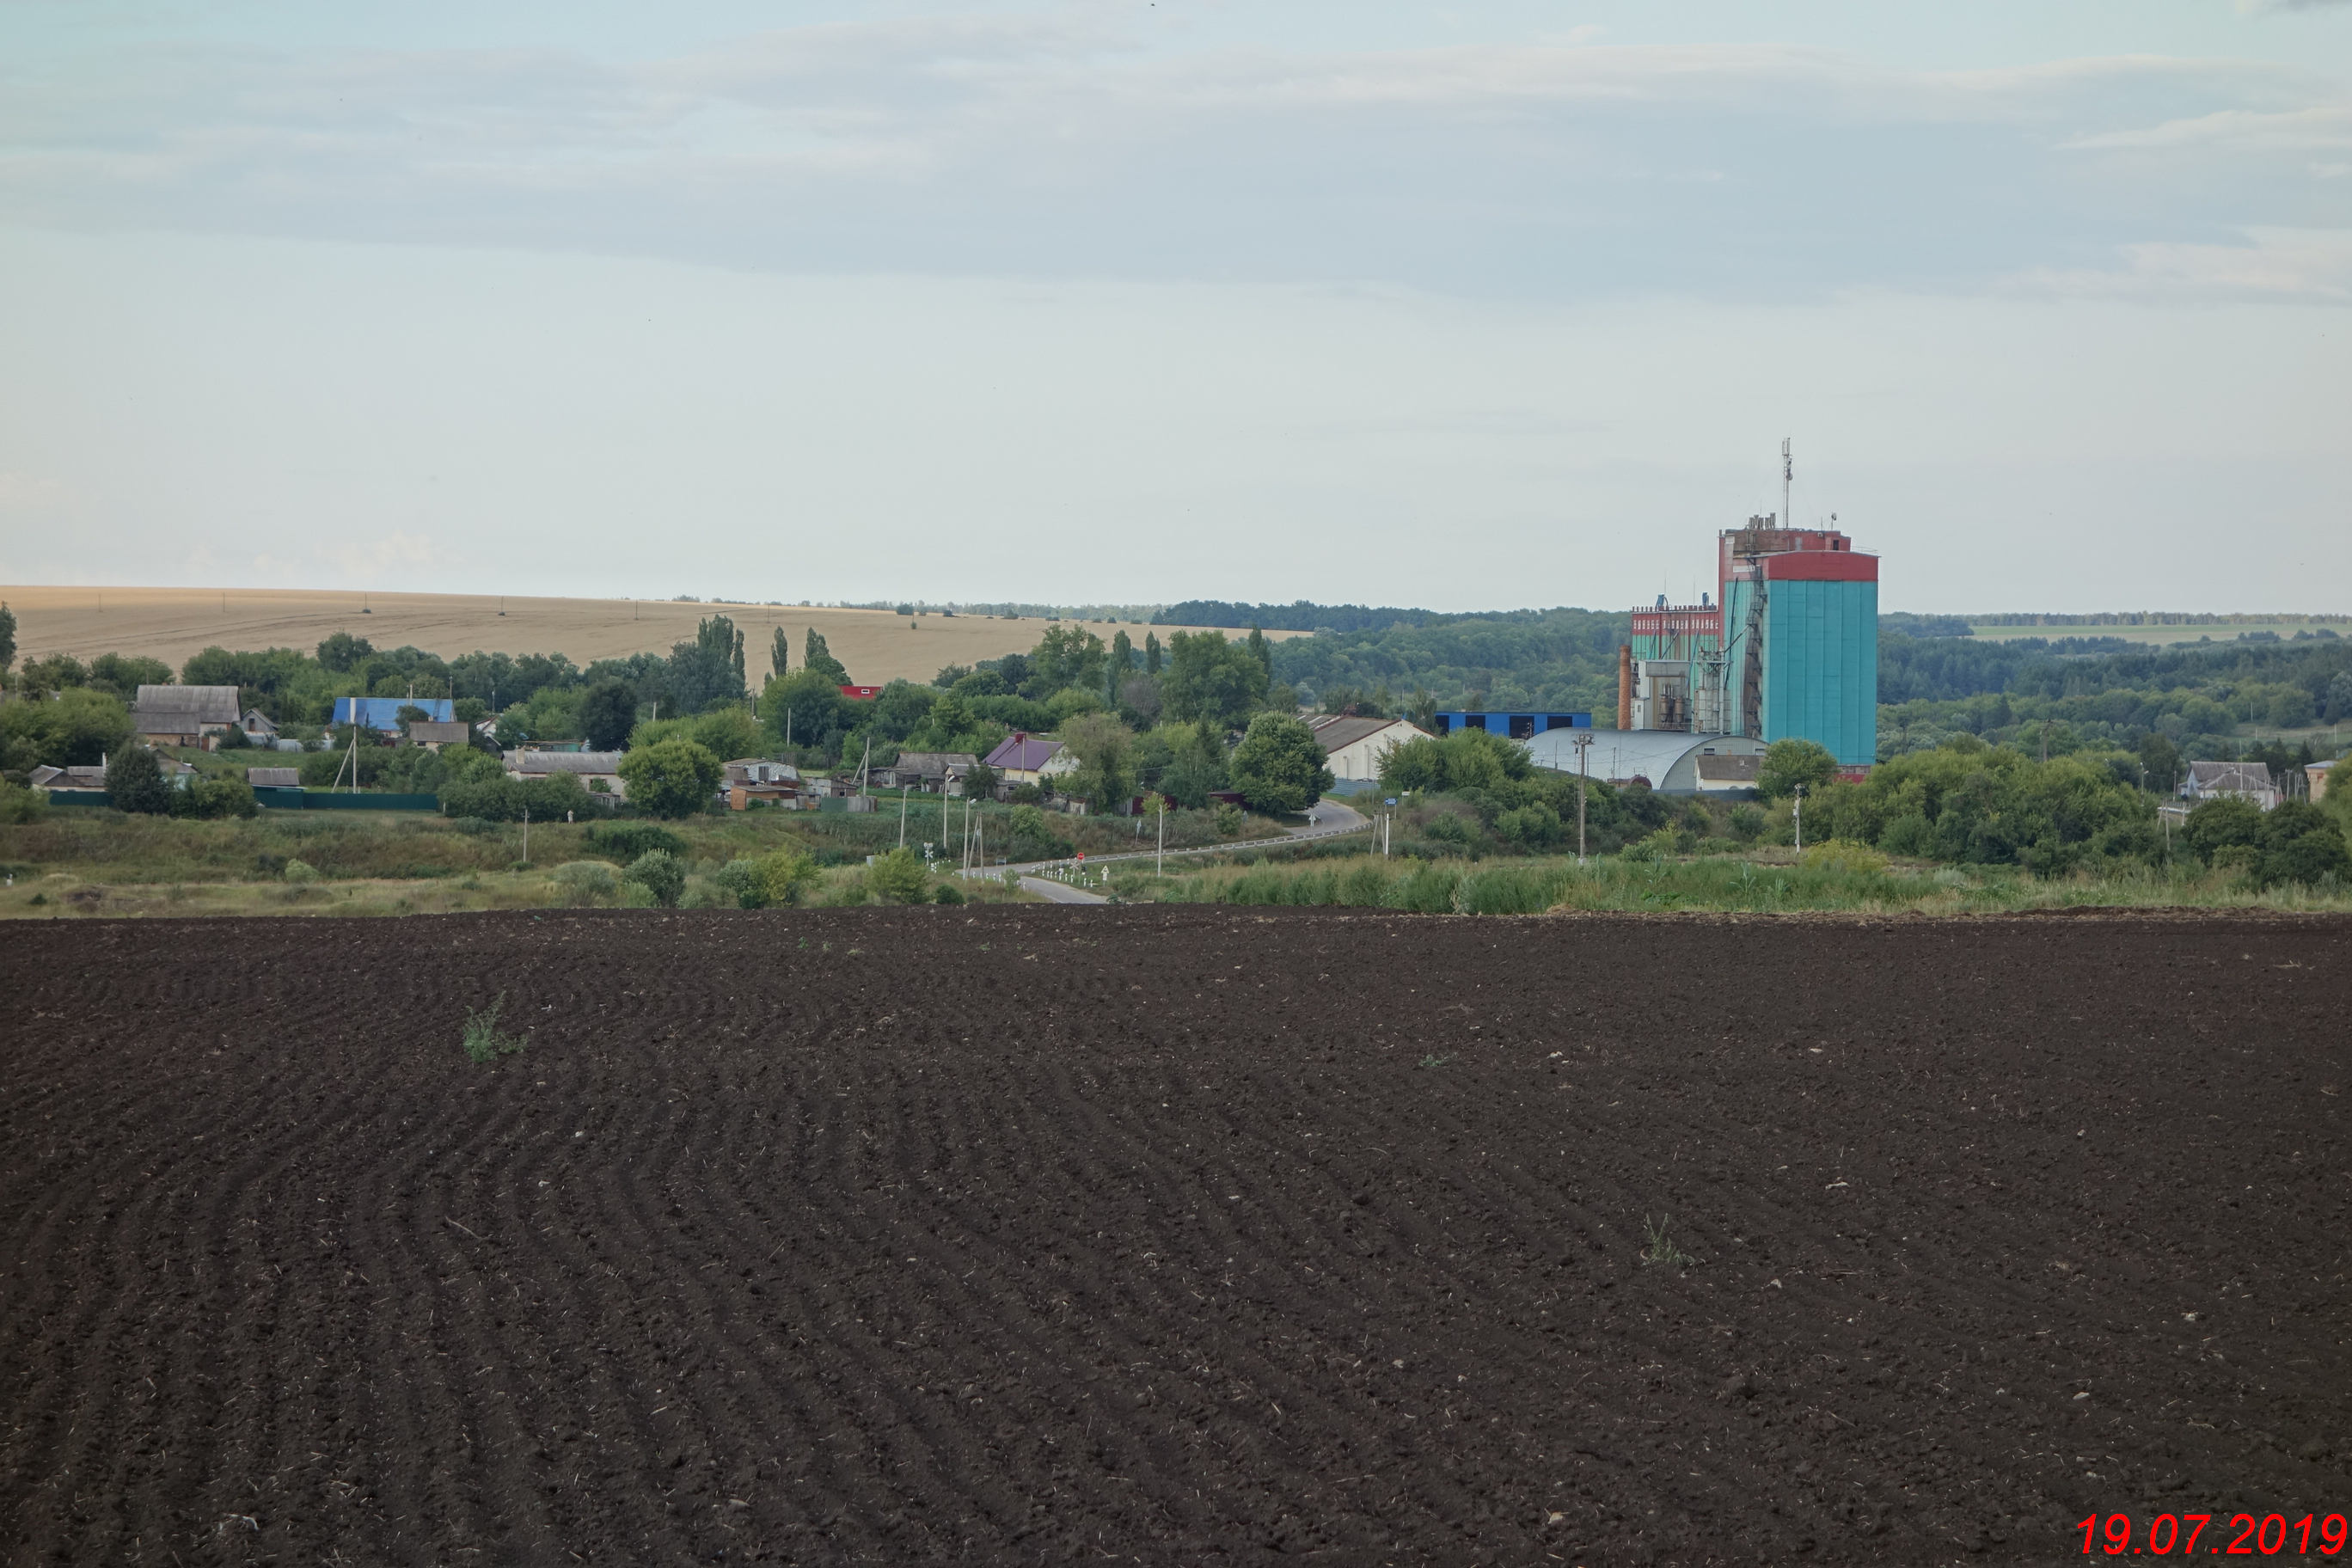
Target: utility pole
pixel 1583 743
pixel 526 835
pixel 1159 865
pixel 1801 819
pixel 1787 475
pixel 902 817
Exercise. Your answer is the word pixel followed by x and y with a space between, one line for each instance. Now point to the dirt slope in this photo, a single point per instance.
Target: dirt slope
pixel 1029 1235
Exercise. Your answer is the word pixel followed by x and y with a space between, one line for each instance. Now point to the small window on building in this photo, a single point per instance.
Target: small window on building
pixel 1523 726
pixel 1474 721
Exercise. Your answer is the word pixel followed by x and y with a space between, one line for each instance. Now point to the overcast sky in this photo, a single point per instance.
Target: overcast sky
pixel 1468 306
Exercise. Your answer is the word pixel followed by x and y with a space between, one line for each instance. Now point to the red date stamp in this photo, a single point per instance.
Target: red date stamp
pixel 2240 1535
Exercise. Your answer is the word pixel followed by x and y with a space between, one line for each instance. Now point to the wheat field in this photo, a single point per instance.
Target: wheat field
pixel 170 623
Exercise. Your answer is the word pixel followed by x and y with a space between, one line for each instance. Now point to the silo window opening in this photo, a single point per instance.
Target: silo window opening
pixel 1473 722
pixel 1523 726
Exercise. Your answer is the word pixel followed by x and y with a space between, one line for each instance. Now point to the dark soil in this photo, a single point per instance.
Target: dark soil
pixel 1174 1235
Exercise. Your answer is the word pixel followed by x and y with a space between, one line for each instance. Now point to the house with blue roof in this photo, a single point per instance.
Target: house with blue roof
pixel 383 714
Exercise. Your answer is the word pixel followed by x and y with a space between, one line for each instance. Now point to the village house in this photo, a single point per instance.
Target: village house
pixel 2230 780
pixel 598 771
pixel 1024 758
pixel 185 715
pixel 92 776
pixel 759 778
pixel 433 734
pixel 937 771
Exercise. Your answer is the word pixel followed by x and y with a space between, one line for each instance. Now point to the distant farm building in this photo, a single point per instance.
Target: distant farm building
pixel 1024 758
pixel 2319 774
pixel 273 778
pixel 1353 748
pixel 185 715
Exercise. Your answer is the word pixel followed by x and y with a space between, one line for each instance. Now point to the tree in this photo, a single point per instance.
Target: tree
pixel 803 707
pixel 2161 760
pixel 2300 842
pixel 1066 656
pixel 608 712
pixel 1279 766
pixel 2339 693
pixel 816 657
pixel 7 637
pixel 76 728
pixel 1104 748
pixel 1261 652
pixel 1787 764
pixel 342 652
pixel 1197 766
pixel 1212 679
pixel 2222 823
pixel 135 782
pixel 706 672
pixel 124 674
pixel 1122 661
pixel 670 778
pixel 1151 653
pixel 780 654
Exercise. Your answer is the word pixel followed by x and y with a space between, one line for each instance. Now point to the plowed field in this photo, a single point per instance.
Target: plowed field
pixel 1169 1235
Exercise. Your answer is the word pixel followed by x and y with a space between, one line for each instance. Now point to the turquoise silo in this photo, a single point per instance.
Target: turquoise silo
pixel 1801 639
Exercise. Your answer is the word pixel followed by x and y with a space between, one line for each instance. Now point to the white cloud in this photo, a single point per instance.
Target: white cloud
pixel 1066 142
pixel 2311 266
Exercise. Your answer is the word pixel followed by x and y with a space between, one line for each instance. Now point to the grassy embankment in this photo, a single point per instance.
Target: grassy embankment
pixel 1760 882
pixel 77 861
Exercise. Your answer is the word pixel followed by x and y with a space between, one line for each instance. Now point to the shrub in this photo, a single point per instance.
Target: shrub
pixel 301 872
pixel 947 893
pixel 898 877
pixel 1836 855
pixel 482 1041
pixel 2222 823
pixel 1787 764
pixel 625 841
pixel 20 805
pixel 1365 885
pixel 217 797
pixel 1229 820
pixel 1509 890
pixel 637 896
pixel 585 882
pixel 703 893
pixel 1658 845
pixel 1746 822
pixel 1428 889
pixel 660 873
pixel 784 876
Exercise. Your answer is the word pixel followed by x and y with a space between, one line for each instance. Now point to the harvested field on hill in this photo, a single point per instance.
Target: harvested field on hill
pixel 1170 1234
pixel 170 623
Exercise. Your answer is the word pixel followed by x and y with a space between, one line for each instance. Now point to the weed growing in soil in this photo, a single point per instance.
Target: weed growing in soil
pixel 483 1042
pixel 1435 1060
pixel 1661 1248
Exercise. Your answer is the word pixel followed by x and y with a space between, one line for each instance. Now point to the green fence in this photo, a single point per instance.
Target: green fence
pixel 365 800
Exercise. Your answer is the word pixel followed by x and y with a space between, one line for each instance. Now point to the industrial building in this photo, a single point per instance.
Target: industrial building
pixel 1786 649
pixel 1517 726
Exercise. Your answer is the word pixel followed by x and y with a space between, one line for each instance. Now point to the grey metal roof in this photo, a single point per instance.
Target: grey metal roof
pixel 197 704
pixel 1667 758
pixel 529 762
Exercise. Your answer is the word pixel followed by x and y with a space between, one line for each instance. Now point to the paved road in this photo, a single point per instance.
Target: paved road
pixel 1331 819
pixel 1060 892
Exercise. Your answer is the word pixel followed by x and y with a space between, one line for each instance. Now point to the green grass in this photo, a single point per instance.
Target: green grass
pixel 1767 882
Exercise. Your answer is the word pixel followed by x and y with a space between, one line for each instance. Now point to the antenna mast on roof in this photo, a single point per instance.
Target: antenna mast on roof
pixel 1787 473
